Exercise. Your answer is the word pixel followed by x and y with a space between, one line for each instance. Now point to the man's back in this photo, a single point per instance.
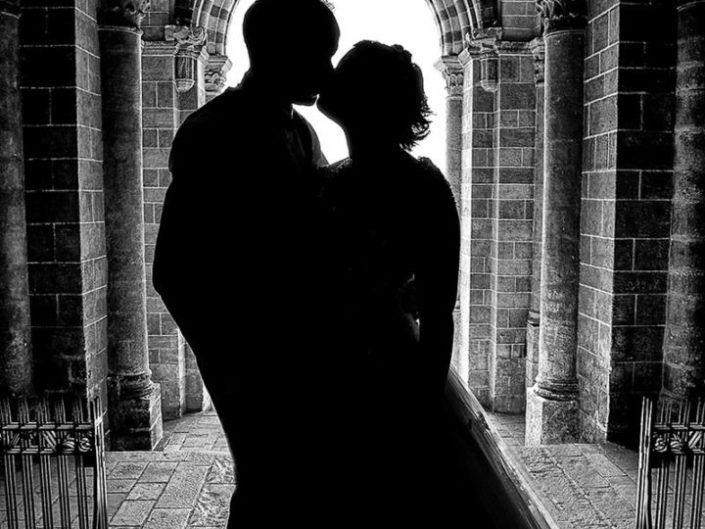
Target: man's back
pixel 238 264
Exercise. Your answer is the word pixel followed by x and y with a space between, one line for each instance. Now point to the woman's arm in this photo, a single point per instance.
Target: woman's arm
pixel 437 283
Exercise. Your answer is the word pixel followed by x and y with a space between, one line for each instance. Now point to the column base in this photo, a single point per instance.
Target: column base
pixel 135 416
pixel 551 421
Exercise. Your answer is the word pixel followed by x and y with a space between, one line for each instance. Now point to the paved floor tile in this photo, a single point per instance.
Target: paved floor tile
pixel 158 471
pixel 146 491
pixel 132 513
pixel 167 519
pixel 184 486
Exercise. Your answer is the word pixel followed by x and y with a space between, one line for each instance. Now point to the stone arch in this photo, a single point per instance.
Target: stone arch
pixel 457 20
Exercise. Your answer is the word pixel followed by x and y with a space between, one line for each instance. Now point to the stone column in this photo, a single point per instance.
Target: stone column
pixel 16 365
pixel 552 403
pixel 684 343
pixel 452 72
pixel 134 400
pixel 532 330
pixel 216 72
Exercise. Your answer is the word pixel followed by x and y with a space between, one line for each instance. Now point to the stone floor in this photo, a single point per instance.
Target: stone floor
pixel 186 482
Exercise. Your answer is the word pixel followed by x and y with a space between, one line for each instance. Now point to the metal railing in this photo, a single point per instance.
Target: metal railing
pixel 671 478
pixel 62 443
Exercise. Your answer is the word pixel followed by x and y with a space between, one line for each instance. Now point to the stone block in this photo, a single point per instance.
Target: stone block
pixel 59 141
pixel 603 115
pixel 55 278
pixel 132 513
pixel 639 282
pixel 158 67
pixel 644 150
pixel 642 219
pixel 48 66
pixel 641 344
pixel 651 254
pixel 657 185
pixel 517 96
pixel 599 32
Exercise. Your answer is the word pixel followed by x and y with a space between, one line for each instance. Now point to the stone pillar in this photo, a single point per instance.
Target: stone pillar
pixel 452 72
pixel 476 226
pixel 216 72
pixel 552 403
pixel 135 402
pixel 16 364
pixel 160 119
pixel 532 329
pixel 684 343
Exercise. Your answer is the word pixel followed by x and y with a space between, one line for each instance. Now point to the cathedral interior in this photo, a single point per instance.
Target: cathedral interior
pixel 576 152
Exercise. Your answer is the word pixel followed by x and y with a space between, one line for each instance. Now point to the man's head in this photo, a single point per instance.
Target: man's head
pixel 291 42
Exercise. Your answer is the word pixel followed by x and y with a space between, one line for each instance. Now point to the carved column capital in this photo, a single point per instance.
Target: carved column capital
pixel 562 14
pixel 216 71
pixel 538 50
pixel 10 6
pixel 127 13
pixel 484 49
pixel 452 71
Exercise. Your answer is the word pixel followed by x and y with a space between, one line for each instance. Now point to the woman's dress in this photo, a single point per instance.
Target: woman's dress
pixel 395 230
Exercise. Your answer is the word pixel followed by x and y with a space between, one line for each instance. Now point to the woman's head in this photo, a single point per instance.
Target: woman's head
pixel 377 91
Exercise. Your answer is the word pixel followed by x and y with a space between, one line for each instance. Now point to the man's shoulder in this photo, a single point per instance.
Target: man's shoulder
pixel 226 110
pixel 221 124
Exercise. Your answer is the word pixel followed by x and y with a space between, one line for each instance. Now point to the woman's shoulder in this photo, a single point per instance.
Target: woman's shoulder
pixel 429 177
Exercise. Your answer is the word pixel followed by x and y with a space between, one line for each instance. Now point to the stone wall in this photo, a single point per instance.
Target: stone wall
pixel 160 118
pixel 497 219
pixel 628 156
pixel 63 160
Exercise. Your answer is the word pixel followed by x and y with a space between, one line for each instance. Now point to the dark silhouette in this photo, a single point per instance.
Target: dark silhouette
pixel 397 245
pixel 240 265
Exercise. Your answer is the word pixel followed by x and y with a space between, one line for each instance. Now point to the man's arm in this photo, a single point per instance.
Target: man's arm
pixel 436 281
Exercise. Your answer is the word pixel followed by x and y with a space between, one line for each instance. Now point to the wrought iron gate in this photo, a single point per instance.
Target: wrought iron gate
pixel 62 443
pixel 671 477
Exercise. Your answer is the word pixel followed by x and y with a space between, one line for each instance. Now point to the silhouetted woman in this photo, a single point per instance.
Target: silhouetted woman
pixel 396 233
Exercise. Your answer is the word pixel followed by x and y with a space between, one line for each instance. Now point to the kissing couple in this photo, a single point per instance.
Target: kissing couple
pixel 318 299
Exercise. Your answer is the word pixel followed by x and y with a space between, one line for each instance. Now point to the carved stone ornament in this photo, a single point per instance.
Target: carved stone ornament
pixel 189 43
pixel 190 39
pixel 538 49
pixel 216 71
pixel 128 13
pixel 452 71
pixel 483 48
pixel 215 81
pixel 10 6
pixel 562 14
pixel 454 83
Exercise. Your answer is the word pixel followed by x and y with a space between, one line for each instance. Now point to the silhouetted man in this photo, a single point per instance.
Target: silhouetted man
pixel 240 265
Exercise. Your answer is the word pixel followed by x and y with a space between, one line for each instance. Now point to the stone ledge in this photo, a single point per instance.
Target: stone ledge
pixel 562 486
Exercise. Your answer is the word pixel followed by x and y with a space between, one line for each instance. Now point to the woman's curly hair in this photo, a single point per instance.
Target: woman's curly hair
pixel 387 81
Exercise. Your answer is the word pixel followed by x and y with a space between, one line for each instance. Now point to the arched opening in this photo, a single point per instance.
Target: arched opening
pixel 370 20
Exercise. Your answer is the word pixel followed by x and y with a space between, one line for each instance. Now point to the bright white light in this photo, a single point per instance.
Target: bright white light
pixel 406 22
